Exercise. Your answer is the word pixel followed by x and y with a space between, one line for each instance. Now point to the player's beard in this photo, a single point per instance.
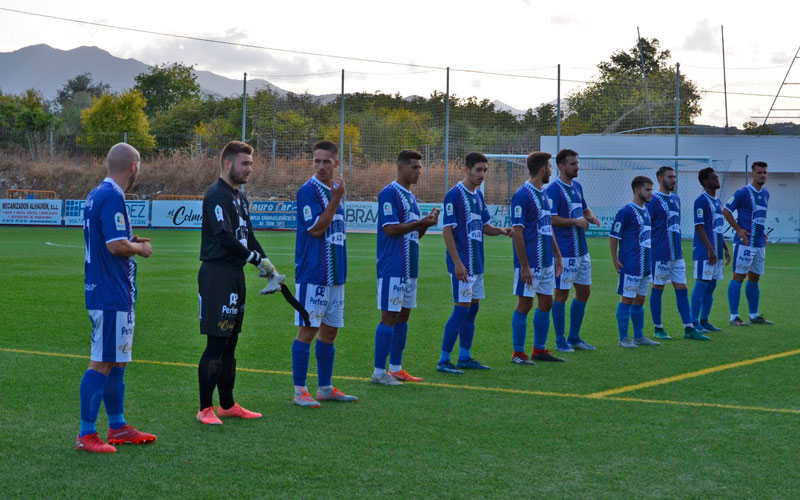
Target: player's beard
pixel 237 177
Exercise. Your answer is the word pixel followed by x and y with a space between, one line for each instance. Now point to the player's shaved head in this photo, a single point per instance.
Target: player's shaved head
pixel 120 157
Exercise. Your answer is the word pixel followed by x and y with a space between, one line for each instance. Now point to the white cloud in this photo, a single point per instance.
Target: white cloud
pixel 703 38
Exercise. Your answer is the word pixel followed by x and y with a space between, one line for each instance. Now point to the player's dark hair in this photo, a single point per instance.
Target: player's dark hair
pixel 639 181
pixel 232 150
pixel 755 164
pixel 662 170
pixel 328 146
pixel 561 157
pixel 704 174
pixel 406 155
pixel 474 158
pixel 536 161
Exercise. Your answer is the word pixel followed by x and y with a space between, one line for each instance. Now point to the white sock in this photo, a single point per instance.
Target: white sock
pixel 395 368
pixel 734 316
pixel 377 372
pixel 687 325
pixel 300 388
pixel 754 316
pixel 326 388
pixel 659 326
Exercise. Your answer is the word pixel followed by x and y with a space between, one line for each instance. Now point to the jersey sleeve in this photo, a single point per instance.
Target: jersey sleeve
pixel 619 224
pixel 309 208
pixel 583 198
pixel 388 209
pixel 519 206
pixel 485 217
pixel 112 219
pixel 557 201
pixel 699 212
pixel 218 219
pixel 451 207
pixel 735 201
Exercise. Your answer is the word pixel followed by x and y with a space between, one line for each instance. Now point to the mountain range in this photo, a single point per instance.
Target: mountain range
pixel 47 69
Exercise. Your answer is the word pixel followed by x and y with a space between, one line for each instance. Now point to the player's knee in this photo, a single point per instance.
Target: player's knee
pixel 582 293
pixel 544 303
pixel 751 276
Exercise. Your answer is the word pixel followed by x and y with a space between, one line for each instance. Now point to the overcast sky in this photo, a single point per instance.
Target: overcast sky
pixel 524 37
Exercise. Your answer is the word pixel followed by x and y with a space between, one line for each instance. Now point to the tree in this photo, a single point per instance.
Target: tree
pixel 616 101
pixel 352 137
pixel 753 128
pixel 75 96
pixel 164 86
pixel 111 116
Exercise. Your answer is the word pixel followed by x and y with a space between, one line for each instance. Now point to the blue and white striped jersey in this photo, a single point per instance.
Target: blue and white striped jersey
pixel 632 228
pixel 398 256
pixel 531 209
pixel 323 260
pixel 665 217
pixel 751 207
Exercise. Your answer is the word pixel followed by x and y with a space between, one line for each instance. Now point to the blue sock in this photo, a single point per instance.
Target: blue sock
pixel 541 324
pixel 734 294
pixel 114 397
pixel 519 327
pixel 698 297
pixel 451 329
pixel 91 393
pixel 576 311
pixel 708 300
pixel 655 305
pixel 325 353
pixel 300 354
pixel 752 293
pixel 623 318
pixel 467 332
pixel 398 343
pixel 682 299
pixel 383 344
pixel 559 312
pixel 637 318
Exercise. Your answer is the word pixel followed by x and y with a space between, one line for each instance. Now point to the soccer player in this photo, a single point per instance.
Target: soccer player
pixel 399 231
pixel 571 218
pixel 466 220
pixel 320 269
pixel 667 258
pixel 534 269
pixel 631 234
pixel 110 293
pixel 227 243
pixel 749 243
pixel 709 246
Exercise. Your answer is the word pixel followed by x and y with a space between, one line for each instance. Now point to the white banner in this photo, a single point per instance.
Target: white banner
pixel 178 214
pixel 34 212
pixel 138 211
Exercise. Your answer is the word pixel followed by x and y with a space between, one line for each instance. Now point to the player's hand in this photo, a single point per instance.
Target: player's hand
pixel 617 264
pixel 594 220
pixel 461 272
pixel 582 223
pixel 138 239
pixel 559 267
pixel 145 249
pixel 727 258
pixel 712 258
pixel 265 268
pixel 744 235
pixel 338 188
pixel 508 231
pixel 525 275
pixel 431 219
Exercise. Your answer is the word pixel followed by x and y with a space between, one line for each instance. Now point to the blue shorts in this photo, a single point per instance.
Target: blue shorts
pixel 112 335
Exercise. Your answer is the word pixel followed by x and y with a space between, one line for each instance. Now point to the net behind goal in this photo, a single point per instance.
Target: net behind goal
pixel 606 181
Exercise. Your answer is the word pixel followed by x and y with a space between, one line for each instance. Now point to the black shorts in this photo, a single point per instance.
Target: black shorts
pixel 222 295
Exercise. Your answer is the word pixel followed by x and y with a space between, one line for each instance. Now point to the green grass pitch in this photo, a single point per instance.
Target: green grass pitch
pixel 732 433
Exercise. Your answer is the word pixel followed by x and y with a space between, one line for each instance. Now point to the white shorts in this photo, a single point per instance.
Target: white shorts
pixel 705 271
pixel 543 282
pixel 630 286
pixel 748 259
pixel 469 290
pixel 669 270
pixel 112 335
pixel 325 304
pixel 576 270
pixel 397 293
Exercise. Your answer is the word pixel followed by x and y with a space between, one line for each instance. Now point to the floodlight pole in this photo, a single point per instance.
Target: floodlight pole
pixel 447 131
pixel 244 106
pixel 341 129
pixel 558 112
pixel 677 104
pixel 724 77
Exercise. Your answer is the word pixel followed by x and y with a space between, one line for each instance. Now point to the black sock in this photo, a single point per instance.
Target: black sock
pixel 227 374
pixel 209 368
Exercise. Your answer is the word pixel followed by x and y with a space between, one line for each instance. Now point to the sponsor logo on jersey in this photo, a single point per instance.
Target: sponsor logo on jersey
pixel 448 209
pixel 387 208
pixel 518 211
pixel 617 226
pixel 218 213
pixel 699 213
pixel 234 298
pixel 119 221
pixel 307 213
pixel 232 311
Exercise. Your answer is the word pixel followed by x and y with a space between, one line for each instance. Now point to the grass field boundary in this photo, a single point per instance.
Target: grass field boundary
pixel 503 390
pixel 694 374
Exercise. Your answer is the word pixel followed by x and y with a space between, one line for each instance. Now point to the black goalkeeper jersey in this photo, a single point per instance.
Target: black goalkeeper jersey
pixel 227 234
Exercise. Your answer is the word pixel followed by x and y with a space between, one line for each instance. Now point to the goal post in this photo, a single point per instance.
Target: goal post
pixel 606 181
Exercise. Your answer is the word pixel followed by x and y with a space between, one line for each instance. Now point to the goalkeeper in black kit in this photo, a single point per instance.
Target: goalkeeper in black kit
pixel 227 244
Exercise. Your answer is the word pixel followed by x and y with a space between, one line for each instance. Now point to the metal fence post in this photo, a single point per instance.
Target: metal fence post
pixel 341 129
pixel 52 148
pixel 558 113
pixel 244 106
pixel 125 137
pixel 677 104
pixel 447 133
